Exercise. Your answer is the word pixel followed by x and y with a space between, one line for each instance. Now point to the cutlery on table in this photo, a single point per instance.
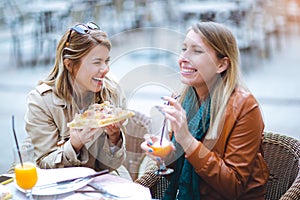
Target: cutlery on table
pixel 70 181
pixel 98 189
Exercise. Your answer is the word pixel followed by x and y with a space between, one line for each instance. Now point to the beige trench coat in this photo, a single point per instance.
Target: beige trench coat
pixel 46 124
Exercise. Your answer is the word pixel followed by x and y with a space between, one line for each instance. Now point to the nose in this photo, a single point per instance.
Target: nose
pixel 104 69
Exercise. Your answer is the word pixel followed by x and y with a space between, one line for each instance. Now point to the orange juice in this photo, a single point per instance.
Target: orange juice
pixel 161 150
pixel 26 176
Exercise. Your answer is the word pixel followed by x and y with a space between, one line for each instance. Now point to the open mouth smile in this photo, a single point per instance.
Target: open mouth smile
pixel 97 79
pixel 188 70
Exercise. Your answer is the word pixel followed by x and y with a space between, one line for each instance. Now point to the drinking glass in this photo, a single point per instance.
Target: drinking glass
pixel 161 143
pixel 25 168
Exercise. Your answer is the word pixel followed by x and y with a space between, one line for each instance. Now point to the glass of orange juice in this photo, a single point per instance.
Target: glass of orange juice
pixel 161 145
pixel 161 150
pixel 25 168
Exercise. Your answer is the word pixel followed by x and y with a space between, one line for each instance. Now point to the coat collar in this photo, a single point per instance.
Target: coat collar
pixel 44 88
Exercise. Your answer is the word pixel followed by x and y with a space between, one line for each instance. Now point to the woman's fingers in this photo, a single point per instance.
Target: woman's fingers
pixel 86 134
pixel 172 101
pixel 145 146
pixel 112 129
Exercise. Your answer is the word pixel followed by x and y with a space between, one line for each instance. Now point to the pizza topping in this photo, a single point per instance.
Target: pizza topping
pixel 99 115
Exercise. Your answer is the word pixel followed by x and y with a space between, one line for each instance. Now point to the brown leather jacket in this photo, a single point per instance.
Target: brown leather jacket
pixel 234 168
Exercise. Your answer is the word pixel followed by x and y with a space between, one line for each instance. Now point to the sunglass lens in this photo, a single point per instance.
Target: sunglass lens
pixel 80 28
pixel 93 26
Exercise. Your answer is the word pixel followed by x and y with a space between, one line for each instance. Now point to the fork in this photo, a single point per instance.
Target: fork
pixel 98 189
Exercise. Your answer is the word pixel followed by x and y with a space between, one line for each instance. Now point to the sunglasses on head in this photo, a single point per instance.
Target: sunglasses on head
pixel 82 29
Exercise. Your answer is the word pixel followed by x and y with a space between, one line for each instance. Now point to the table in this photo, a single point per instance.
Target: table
pixel 124 188
pixel 50 20
pixel 231 13
pixel 206 10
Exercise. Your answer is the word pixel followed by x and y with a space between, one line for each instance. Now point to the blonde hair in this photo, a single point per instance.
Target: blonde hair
pixel 224 44
pixel 74 46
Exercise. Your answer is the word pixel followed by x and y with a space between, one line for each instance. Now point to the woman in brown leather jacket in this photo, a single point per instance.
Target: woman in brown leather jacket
pixel 217 124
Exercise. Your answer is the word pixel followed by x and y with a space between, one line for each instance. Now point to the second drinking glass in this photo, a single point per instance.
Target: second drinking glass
pixel 25 168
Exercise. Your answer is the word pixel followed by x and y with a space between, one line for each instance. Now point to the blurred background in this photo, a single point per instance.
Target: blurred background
pixel 150 32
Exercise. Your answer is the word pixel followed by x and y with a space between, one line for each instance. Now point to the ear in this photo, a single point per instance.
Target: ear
pixel 68 65
pixel 223 65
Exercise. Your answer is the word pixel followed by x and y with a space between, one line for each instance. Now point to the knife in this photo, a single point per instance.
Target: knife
pixel 78 179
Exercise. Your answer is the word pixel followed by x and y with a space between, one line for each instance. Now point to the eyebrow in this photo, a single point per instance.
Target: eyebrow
pixel 100 59
pixel 195 46
pixel 198 46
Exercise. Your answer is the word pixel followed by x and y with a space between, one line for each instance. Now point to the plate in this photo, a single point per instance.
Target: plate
pixel 47 176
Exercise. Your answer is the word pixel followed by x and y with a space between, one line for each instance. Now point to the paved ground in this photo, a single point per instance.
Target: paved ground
pixel 274 81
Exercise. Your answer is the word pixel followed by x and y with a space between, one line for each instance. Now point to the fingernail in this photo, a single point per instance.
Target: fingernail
pixel 177 96
pixel 150 151
pixel 158 159
pixel 150 143
pixel 158 107
pixel 160 110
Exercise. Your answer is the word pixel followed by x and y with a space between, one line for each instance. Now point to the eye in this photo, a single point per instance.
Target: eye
pixel 198 51
pixel 97 63
pixel 183 49
pixel 107 61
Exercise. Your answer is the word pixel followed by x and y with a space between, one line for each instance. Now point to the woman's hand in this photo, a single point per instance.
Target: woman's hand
pixel 79 137
pixel 177 117
pixel 149 141
pixel 113 132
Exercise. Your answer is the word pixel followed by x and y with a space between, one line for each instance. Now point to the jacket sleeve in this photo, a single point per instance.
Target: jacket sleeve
pixel 108 155
pixel 44 134
pixel 229 171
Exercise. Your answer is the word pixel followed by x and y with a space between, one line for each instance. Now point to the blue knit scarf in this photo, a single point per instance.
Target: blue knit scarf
pixel 185 179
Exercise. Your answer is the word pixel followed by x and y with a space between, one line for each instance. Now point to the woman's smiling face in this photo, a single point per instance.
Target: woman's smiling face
pixel 92 70
pixel 198 61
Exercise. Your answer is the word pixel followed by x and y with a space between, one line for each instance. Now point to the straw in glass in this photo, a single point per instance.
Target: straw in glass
pixel 164 125
pixel 16 140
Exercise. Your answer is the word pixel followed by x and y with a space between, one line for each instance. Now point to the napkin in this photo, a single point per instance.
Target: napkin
pixel 5 193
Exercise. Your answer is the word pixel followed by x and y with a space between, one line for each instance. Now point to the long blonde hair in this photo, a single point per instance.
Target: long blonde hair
pixel 74 46
pixel 224 44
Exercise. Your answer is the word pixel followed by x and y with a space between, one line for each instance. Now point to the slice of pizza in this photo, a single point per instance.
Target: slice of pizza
pixel 99 115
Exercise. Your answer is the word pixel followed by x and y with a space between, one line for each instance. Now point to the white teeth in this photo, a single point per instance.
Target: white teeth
pixel 97 79
pixel 187 70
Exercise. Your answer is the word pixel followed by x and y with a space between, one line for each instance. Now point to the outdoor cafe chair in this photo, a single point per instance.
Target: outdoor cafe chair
pixel 282 156
pixel 136 128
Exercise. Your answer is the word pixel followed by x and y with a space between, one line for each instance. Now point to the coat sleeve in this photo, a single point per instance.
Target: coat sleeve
pixel 228 172
pixel 108 155
pixel 44 134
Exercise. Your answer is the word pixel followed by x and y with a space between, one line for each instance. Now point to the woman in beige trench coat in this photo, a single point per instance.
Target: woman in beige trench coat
pixel 78 79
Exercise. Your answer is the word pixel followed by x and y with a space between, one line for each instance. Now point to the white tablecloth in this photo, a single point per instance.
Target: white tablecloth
pixel 116 185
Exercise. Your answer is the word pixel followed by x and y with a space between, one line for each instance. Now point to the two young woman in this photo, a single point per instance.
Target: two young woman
pixel 217 124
